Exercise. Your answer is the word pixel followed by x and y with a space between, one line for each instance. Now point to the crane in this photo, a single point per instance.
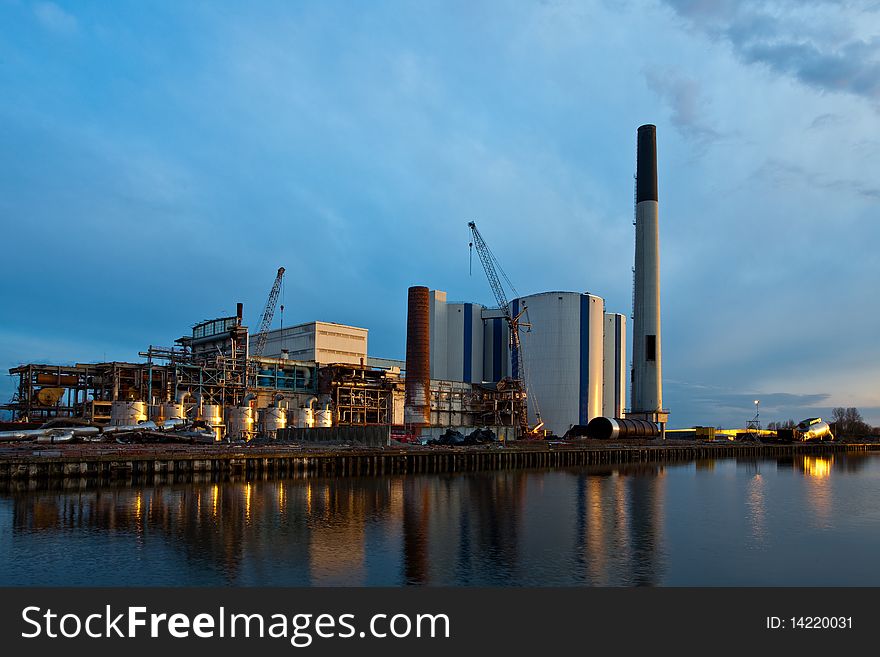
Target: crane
pixel 263 335
pixel 491 267
pixel 268 314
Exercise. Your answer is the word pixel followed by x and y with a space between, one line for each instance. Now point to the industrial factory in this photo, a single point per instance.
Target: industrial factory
pixel 545 364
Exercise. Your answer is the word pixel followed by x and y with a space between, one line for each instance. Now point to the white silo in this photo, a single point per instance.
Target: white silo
pixel 562 357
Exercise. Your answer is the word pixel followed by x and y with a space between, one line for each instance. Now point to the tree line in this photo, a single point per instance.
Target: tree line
pixel 847 422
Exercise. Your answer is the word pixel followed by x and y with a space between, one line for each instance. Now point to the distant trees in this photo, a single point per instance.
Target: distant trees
pixel 849 422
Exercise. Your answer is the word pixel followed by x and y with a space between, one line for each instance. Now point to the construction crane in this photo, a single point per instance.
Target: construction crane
pixel 263 336
pixel 491 266
pixel 268 314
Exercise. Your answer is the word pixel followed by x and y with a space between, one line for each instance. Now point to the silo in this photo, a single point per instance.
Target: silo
pixel 614 368
pixel 417 405
pixel 562 357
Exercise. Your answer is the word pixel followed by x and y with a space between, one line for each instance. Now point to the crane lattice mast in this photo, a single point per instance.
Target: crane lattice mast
pixel 268 314
pixel 491 266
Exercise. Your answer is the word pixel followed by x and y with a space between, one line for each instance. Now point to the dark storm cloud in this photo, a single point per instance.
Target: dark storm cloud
pixel 814 42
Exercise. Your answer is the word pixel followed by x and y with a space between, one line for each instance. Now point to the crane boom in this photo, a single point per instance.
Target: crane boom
pixel 491 267
pixel 268 314
pixel 488 260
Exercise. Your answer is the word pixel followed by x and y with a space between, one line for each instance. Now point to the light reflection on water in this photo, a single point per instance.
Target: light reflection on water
pixel 797 521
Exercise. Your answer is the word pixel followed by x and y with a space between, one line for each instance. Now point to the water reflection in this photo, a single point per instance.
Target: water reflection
pixel 589 526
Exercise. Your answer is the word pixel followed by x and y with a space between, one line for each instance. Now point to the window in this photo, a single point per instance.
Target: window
pixel 650 347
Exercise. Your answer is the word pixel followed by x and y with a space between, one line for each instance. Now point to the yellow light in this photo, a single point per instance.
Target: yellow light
pixel 818 466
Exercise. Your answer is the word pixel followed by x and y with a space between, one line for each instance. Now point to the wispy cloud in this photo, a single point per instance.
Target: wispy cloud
pixel 685 99
pixel 818 43
pixel 54 18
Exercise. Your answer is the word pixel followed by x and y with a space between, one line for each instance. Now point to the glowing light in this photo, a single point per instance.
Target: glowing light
pixel 247 501
pixel 818 466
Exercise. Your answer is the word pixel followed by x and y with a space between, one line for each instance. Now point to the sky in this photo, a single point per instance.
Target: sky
pixel 159 161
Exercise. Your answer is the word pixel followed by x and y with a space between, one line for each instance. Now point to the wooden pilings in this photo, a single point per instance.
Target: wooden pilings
pixel 285 463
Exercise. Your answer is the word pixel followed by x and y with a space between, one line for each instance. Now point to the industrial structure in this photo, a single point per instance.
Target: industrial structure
pixel 647 371
pixel 540 364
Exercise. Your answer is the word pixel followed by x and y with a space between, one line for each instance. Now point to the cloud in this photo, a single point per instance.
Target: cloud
pixel 684 97
pixel 54 18
pixel 785 174
pixel 712 405
pixel 817 43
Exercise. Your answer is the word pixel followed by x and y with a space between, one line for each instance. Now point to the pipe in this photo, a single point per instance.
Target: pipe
pixel 173 423
pixel 279 397
pixel 248 398
pixel 607 428
pixel 182 395
pixel 123 428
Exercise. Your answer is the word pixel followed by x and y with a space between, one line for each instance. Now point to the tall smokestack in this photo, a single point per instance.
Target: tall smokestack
pixel 417 404
pixel 647 377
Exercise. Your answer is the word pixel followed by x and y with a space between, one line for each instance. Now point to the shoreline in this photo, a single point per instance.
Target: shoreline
pixel 121 463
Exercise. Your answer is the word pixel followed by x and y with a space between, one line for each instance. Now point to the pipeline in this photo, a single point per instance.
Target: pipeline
pixel 606 428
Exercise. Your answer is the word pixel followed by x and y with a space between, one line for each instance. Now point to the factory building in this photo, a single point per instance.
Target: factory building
pixel 456 331
pixel 319 342
pixel 614 359
pixel 563 353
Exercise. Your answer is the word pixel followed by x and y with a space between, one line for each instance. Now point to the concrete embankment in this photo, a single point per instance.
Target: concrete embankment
pixel 122 462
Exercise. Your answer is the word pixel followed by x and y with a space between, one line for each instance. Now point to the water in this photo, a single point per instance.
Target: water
pixel 797 522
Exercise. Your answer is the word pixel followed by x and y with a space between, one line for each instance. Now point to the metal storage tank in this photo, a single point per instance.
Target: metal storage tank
pixel 240 422
pixel 272 419
pixel 173 411
pixel 128 412
pixel 562 357
pixel 324 417
pixel 212 415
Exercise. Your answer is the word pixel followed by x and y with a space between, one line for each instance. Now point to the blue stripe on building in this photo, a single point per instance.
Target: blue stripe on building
pixel 584 383
pixel 514 352
pixel 496 349
pixel 468 340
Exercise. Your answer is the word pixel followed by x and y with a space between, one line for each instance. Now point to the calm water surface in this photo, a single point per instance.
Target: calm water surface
pixel 802 521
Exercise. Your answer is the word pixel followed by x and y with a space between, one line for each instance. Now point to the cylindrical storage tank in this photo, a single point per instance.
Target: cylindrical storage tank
pixel 271 420
pixel 417 404
pixel 128 412
pixel 606 428
pixel 306 419
pixel 239 423
pixel 323 418
pixel 212 415
pixel 562 357
pixel 173 411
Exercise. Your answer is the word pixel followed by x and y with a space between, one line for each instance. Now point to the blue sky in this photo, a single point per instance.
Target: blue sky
pixel 159 161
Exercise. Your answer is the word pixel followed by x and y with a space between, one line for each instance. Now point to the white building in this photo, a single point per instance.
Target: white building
pixel 321 342
pixel 614 386
pixel 456 340
pixel 562 357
